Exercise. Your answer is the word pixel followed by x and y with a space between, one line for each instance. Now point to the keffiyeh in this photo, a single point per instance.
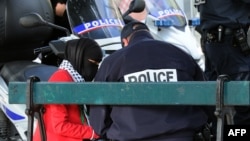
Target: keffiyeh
pixel 66 65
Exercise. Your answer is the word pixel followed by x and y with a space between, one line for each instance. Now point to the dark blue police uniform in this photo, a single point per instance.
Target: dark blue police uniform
pixel 148 60
pixel 223 24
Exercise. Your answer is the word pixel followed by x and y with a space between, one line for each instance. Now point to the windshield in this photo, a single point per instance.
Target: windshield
pixel 96 19
pixel 167 10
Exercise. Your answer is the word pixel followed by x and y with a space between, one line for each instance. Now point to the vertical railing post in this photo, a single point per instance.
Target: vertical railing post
pixel 32 110
pixel 219 110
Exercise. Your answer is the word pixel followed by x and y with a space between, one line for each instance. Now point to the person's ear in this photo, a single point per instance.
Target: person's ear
pixel 124 42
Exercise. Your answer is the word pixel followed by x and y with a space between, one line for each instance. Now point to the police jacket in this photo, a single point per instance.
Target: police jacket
pixel 230 13
pixel 147 60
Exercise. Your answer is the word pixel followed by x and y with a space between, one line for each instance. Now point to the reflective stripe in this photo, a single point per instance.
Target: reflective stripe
pixel 12 115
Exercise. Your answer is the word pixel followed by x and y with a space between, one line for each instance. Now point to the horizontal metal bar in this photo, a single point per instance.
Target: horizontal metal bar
pixel 115 93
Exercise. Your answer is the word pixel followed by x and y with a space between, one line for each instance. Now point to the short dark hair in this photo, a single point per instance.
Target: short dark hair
pixel 130 28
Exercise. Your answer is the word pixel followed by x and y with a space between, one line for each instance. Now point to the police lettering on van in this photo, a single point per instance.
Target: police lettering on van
pixel 150 75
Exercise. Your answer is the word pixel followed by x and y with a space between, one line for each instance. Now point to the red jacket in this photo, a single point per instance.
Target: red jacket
pixel 63 122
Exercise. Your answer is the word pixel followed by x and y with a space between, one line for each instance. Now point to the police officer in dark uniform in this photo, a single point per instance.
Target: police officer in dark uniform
pixel 144 59
pixel 61 18
pixel 224 26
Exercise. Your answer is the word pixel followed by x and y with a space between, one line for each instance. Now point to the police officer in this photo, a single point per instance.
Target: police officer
pixel 144 59
pixel 61 18
pixel 224 26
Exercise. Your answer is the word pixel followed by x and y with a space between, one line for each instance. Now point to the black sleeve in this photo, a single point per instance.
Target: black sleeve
pixel 99 115
pixel 99 119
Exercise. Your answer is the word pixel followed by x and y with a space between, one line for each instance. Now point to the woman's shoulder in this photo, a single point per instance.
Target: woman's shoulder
pixel 60 76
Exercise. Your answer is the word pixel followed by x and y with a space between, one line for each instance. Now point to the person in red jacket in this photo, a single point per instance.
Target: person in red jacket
pixel 70 122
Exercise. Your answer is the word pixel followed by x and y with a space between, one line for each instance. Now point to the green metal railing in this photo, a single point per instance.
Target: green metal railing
pixel 178 93
pixel 220 93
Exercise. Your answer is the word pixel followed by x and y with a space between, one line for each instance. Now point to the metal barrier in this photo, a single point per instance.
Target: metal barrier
pixel 221 93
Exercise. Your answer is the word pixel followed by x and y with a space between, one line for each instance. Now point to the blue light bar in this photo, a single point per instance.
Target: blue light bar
pixel 194 22
pixel 163 23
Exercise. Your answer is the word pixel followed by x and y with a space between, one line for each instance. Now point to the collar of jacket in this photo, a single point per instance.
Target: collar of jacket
pixel 139 36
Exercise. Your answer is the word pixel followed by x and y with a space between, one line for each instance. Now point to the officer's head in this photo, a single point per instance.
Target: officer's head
pixel 84 54
pixel 129 30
